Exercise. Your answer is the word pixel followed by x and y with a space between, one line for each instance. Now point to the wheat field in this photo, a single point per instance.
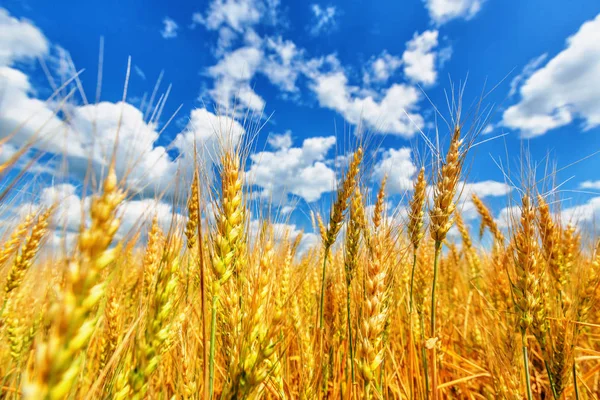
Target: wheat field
pixel 384 306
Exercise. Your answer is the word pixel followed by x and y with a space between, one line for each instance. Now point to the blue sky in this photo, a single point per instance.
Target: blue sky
pixel 316 69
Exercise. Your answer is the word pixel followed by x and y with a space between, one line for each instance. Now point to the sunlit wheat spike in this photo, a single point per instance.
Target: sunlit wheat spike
pixel 416 212
pixel 24 260
pixel 487 220
pixel 446 184
pixel 12 244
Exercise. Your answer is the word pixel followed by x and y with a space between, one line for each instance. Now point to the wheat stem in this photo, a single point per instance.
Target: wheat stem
pixel 412 281
pixel 424 356
pixel 526 367
pixel 575 387
pixel 213 337
pixel 322 301
pixel 438 246
pixel 551 380
pixel 350 340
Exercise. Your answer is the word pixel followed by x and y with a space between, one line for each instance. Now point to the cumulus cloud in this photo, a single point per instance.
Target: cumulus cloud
pixel 277 59
pixel 20 40
pixel 486 188
pixel 6 152
pixel 233 19
pixel 442 11
pixel 560 91
pixel 235 14
pixel 420 58
pixel 482 189
pixel 283 141
pixel 397 164
pixel 170 28
pixel 381 68
pixel 211 133
pixel 94 129
pixel 393 111
pixel 590 185
pixel 19 110
pixel 232 76
pixel 88 139
pixel 300 171
pixel 91 131
pixel 527 71
pixel 582 213
pixel 282 65
pixel 323 19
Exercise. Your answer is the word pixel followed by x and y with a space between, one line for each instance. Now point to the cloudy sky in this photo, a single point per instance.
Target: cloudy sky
pixel 307 74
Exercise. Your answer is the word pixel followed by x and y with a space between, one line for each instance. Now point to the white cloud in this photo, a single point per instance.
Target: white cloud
pixel 486 189
pixel 557 93
pixel 235 18
pixel 20 40
pixel 281 65
pixel 30 116
pixel 212 133
pixel 581 213
pixel 482 189
pixel 397 164
pixel 91 131
pixel 94 129
pixel 324 19
pixel 420 58
pixel 62 63
pixel 528 70
pixel 232 75
pixel 7 150
pixel 235 14
pixel 227 37
pixel 280 61
pixel 489 128
pixel 380 69
pixel 287 209
pixel 297 170
pixel 393 111
pixel 590 185
pixel 442 11
pixel 170 28
pixel 283 141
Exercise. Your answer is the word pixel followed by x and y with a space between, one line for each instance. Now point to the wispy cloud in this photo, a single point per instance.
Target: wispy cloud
pixel 170 28
pixel 324 19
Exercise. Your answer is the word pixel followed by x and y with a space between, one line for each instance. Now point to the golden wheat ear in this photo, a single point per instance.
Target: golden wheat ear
pixel 74 317
pixel 487 220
